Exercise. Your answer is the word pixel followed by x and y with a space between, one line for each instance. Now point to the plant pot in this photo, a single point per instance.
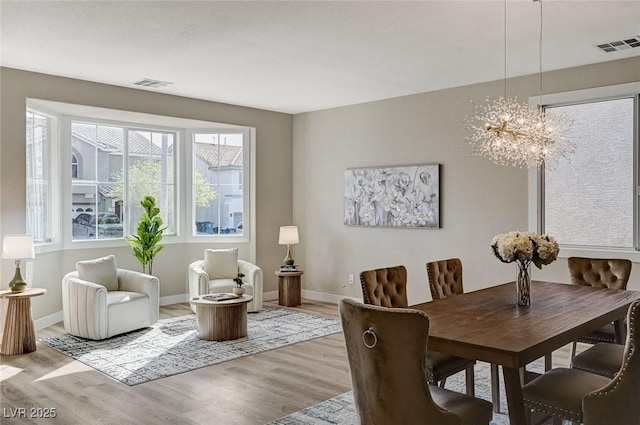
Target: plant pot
pixel 238 290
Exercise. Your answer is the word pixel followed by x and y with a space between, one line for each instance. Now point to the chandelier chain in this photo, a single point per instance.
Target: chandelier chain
pixel 513 133
pixel 540 53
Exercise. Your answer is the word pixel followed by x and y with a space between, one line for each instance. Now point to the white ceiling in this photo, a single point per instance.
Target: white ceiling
pixel 299 56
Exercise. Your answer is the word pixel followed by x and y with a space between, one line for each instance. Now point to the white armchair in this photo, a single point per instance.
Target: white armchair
pixel 215 274
pixel 100 301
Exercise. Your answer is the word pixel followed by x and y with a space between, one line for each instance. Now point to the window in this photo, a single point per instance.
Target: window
pixel 116 166
pixel 590 200
pixel 74 167
pixel 218 191
pixel 39 205
pixel 88 168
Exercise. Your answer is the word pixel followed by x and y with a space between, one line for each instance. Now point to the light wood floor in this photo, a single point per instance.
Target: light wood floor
pixel 252 390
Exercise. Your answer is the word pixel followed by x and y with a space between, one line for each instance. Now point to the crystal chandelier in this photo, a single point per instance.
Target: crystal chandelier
pixel 512 133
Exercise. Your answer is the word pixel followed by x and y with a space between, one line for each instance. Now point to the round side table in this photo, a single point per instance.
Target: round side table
pixel 289 288
pixel 19 335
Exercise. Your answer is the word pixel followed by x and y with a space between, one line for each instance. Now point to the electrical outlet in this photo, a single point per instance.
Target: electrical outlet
pixel 350 279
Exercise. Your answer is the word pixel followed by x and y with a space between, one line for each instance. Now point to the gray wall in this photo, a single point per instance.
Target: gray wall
pixel 478 199
pixel 312 150
pixel 273 178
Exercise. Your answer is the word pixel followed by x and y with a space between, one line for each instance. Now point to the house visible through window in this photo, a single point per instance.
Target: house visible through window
pixel 74 167
pixel 218 161
pixel 590 200
pixel 115 168
pixel 87 174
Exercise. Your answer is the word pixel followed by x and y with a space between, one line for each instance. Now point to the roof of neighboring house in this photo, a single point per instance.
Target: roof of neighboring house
pixel 219 155
pixel 112 139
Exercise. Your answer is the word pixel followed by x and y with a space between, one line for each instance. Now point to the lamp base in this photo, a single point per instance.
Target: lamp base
pixel 288 260
pixel 17 284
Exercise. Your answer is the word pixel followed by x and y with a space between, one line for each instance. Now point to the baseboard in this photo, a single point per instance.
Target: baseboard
pixel 311 295
pixel 325 296
pixel 270 296
pixel 183 298
pixel 174 299
pixel 47 321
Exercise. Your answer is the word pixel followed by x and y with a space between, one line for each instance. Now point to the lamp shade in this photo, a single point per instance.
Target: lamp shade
pixel 18 247
pixel 288 235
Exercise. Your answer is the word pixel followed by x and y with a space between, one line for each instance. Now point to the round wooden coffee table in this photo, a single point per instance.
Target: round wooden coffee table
pixel 221 320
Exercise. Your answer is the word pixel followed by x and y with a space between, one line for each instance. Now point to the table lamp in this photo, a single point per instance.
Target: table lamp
pixel 17 247
pixel 288 237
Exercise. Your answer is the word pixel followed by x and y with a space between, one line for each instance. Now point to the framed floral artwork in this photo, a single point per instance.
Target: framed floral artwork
pixel 406 196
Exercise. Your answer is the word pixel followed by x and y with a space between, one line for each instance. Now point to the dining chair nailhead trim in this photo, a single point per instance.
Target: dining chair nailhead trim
pixel 623 370
pixel 595 371
pixel 554 411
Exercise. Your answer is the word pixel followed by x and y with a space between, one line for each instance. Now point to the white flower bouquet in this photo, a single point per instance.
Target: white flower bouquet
pixel 526 248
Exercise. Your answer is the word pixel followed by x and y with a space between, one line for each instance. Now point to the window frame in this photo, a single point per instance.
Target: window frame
pixel 536 176
pixel 66 123
pixel 52 232
pixel 248 164
pixel 61 170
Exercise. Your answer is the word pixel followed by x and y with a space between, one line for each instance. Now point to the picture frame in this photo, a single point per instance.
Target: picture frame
pixel 397 196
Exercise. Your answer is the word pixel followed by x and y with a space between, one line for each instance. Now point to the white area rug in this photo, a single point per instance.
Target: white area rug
pixel 340 410
pixel 170 346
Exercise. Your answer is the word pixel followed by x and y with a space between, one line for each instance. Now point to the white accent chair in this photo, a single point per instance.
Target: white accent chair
pixel 100 301
pixel 216 272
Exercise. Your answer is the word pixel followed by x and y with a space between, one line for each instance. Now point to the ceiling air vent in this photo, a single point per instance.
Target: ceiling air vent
pixel 148 82
pixel 614 46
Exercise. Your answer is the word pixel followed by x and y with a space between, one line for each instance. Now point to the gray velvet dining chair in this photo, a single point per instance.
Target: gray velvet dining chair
pixel 445 280
pixel 584 397
pixel 602 273
pixel 603 359
pixel 387 287
pixel 386 350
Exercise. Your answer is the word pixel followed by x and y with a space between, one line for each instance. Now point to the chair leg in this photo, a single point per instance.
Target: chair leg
pixel 495 388
pixel 548 362
pixel 573 351
pixel 470 381
pixel 442 383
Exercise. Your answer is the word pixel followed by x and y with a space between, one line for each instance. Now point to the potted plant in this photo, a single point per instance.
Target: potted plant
pixel 238 290
pixel 148 234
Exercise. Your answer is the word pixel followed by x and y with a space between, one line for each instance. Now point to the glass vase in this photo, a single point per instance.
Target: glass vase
pixel 523 284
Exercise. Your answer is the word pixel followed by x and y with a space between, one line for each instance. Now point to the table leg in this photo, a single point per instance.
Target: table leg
pixel 513 389
pixel 19 335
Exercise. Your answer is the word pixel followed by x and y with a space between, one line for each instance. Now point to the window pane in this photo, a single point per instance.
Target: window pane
pixel 217 187
pixel 97 181
pixel 38 179
pixel 589 200
pixel 84 203
pixel 151 173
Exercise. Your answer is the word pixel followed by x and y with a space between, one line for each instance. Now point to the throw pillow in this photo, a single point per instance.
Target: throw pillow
pixel 102 271
pixel 221 263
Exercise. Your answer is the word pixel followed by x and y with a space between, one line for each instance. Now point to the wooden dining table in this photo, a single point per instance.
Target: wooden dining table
pixel 488 325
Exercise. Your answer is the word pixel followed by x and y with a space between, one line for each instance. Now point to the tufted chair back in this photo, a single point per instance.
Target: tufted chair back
pixel 445 278
pixel 385 287
pixel 386 353
pixel 600 273
pixel 619 401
